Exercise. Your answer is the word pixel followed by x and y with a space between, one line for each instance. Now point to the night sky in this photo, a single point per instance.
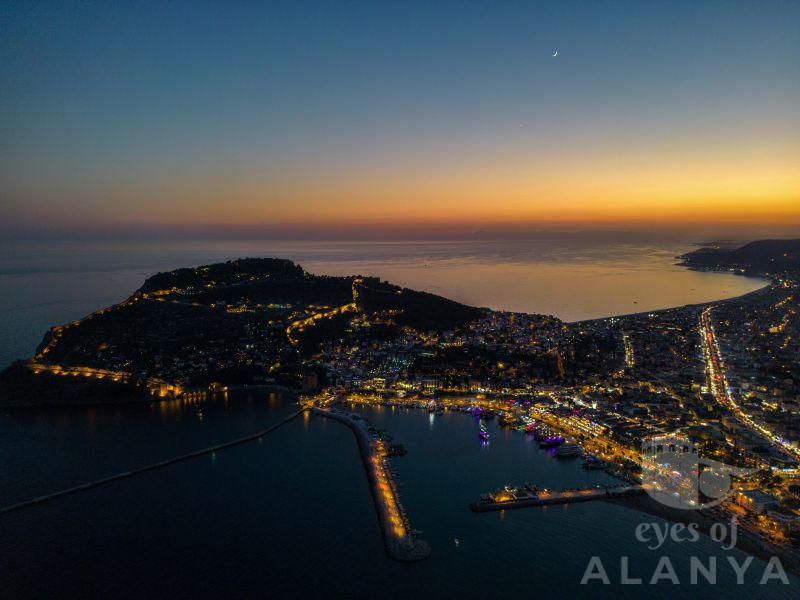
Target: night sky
pixel 398 114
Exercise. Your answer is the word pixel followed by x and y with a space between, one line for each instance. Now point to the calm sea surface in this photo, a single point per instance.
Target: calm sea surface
pixel 291 515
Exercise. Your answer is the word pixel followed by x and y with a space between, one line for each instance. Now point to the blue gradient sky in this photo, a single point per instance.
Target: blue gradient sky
pixel 139 114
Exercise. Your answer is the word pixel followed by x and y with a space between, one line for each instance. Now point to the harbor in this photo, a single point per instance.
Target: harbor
pixel 561 447
pixel 327 462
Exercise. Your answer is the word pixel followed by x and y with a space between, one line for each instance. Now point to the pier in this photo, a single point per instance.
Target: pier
pixel 399 539
pixel 152 467
pixel 514 498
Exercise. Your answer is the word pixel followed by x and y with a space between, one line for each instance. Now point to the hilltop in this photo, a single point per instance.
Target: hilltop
pixel 759 257
pixel 246 321
pixel 268 321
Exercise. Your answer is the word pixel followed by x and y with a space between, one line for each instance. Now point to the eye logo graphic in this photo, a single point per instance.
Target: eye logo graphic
pixel 674 474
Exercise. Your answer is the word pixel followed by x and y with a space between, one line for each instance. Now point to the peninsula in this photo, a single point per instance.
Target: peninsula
pixel 723 376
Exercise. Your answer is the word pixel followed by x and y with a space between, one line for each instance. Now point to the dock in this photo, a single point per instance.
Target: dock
pixel 399 538
pixel 512 498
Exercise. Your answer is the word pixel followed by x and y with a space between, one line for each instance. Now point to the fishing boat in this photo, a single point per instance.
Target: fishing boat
pixel 483 434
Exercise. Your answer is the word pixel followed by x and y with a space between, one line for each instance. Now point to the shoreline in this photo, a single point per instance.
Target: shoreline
pixel 133 296
pixel 747 542
pixel 697 305
pixel 147 399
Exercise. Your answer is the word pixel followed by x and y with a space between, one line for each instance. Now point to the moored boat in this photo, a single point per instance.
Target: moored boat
pixel 507 419
pixel 551 441
pixel 568 451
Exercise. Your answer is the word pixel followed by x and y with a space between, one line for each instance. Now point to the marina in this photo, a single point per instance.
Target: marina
pixel 312 456
pixel 547 438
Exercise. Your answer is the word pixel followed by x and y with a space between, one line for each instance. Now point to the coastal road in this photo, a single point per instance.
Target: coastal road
pixel 720 388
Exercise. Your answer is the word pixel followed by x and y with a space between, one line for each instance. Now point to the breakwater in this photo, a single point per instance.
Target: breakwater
pixel 151 467
pixel 399 539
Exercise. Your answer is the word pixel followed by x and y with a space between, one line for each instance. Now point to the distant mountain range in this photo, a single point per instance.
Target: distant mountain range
pixel 763 256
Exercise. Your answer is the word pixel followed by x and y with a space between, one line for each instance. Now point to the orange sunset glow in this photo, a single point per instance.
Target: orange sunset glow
pixel 628 126
pixel 400 299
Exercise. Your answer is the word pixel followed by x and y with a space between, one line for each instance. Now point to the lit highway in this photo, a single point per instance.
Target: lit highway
pixel 720 388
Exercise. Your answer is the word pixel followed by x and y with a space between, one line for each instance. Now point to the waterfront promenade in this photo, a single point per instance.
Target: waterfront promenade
pixel 399 539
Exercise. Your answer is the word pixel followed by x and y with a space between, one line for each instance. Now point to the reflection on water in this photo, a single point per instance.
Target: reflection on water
pixel 292 514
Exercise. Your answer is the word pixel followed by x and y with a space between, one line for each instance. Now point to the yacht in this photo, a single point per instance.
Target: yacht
pixel 551 441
